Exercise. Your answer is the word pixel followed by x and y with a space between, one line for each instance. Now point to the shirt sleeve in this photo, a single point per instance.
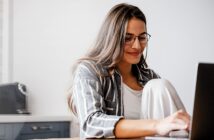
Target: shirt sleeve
pixel 88 98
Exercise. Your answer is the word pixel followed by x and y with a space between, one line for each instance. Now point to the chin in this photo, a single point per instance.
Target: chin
pixel 134 61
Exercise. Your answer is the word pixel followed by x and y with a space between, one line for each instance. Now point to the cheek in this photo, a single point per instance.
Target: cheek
pixel 124 57
pixel 126 47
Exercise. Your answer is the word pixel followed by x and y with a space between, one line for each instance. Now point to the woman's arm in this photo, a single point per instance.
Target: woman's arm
pixel 139 128
pixel 135 128
pixel 90 104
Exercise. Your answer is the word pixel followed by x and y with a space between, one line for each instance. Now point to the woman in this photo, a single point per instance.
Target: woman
pixel 114 93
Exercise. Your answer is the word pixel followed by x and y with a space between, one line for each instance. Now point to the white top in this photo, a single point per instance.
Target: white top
pixel 132 102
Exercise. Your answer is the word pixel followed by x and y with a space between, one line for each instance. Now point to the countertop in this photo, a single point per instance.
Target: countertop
pixel 77 138
pixel 142 138
pixel 32 118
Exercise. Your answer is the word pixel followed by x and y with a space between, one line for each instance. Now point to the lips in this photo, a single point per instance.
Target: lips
pixel 134 53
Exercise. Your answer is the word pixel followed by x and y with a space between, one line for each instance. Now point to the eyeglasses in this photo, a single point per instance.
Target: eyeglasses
pixel 142 38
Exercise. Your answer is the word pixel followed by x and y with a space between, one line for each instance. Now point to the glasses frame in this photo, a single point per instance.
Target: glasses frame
pixel 133 38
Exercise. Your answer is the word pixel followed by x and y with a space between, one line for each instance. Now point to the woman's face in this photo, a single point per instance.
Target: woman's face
pixel 135 41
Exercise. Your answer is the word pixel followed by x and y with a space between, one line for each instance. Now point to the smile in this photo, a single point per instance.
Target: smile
pixel 134 53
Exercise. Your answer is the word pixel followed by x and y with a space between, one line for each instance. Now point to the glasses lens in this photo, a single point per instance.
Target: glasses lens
pixel 130 38
pixel 144 38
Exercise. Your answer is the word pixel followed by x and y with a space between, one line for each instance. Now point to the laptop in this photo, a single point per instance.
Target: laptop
pixel 203 111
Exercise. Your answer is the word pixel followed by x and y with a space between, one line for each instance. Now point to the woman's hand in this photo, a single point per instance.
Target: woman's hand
pixel 180 120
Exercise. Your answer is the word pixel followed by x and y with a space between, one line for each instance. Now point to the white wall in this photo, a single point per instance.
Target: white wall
pixel 7 53
pixel 48 35
pixel 1 48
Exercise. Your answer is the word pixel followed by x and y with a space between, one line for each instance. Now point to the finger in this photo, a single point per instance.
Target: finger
pixel 183 116
pixel 180 121
pixel 189 127
pixel 177 126
pixel 183 113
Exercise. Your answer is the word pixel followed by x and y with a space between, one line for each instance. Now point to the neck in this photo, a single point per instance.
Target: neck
pixel 125 69
pixel 128 77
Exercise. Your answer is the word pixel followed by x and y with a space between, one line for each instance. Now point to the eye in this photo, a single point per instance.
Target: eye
pixel 128 38
pixel 142 37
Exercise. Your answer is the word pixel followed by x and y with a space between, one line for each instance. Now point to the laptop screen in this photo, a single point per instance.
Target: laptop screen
pixel 203 112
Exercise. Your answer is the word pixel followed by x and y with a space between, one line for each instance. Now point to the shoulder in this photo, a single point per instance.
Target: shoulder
pixel 89 69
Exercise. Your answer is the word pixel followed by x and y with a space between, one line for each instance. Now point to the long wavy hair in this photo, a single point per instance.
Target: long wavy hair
pixel 108 48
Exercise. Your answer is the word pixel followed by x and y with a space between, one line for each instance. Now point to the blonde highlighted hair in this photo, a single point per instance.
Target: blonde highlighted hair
pixel 108 49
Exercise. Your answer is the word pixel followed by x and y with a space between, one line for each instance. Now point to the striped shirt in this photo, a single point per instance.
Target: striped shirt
pixel 98 97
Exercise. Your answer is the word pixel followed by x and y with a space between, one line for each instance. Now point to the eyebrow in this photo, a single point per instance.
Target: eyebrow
pixel 134 34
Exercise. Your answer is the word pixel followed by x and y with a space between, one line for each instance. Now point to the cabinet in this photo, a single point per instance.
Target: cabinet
pixel 34 130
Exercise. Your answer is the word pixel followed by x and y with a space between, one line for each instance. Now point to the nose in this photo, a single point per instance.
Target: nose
pixel 136 44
